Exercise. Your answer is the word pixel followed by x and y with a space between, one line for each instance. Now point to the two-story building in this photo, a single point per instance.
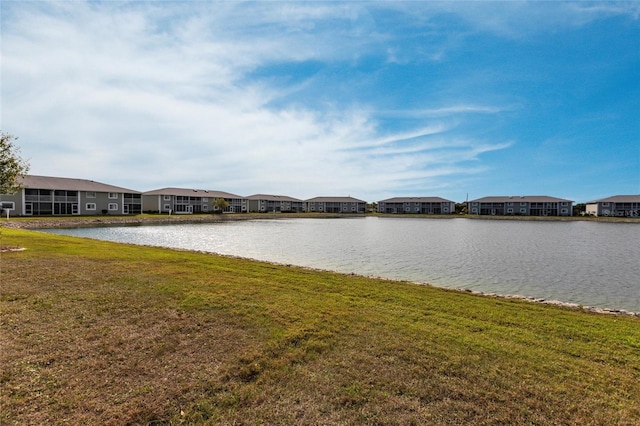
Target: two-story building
pixel 265 203
pixel 335 205
pixel 190 201
pixel 617 205
pixel 417 205
pixel 534 205
pixel 57 196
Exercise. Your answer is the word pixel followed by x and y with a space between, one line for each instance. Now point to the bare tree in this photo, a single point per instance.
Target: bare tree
pixel 12 165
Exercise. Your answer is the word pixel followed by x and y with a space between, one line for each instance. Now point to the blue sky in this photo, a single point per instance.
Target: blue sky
pixel 368 99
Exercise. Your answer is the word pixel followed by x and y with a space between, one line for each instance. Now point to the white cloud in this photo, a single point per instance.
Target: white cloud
pixel 149 95
pixel 514 18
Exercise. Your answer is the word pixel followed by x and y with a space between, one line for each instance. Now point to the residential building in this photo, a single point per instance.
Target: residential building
pixel 335 205
pixel 521 205
pixel 265 203
pixel 617 205
pixel 190 201
pixel 417 205
pixel 56 196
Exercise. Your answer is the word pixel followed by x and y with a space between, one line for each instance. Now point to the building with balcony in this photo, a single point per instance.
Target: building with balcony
pixel 416 205
pixel 521 205
pixel 56 196
pixel 265 203
pixel 190 201
pixel 617 205
pixel 335 205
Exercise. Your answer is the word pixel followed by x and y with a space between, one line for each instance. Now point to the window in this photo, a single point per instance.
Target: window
pixel 474 210
pixel 91 194
pixel 205 208
pixel 113 196
pixel 510 204
pixel 523 210
pixel 445 210
pixel 565 211
pixel 167 198
pixel 474 204
pixel 523 204
pixel 113 206
pixel 166 207
pixel 91 206
pixel 564 203
pixel 509 210
pixel 605 204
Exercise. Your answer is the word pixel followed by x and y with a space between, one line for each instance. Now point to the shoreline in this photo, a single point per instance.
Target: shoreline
pixel 461 290
pixel 157 219
pixel 171 336
pixel 141 220
pixel 102 221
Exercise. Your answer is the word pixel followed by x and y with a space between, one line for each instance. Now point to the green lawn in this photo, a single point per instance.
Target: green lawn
pixel 102 333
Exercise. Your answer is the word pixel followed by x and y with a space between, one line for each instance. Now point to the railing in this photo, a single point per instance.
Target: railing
pixel 40 198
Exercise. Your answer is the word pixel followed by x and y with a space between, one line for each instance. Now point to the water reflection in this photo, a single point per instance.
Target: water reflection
pixel 589 263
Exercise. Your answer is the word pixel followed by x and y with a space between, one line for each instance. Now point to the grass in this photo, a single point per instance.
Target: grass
pixel 102 333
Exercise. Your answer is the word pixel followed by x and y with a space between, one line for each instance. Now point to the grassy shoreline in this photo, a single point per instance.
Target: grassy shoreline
pixel 142 219
pixel 106 333
pixel 158 219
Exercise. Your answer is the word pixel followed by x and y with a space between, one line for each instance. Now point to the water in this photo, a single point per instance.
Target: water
pixel 588 263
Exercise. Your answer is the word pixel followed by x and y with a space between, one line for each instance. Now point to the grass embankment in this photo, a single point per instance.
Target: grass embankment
pixel 40 222
pixel 101 333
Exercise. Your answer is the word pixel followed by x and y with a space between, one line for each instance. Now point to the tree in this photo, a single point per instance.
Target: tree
pixel 461 208
pixel 12 166
pixel 219 205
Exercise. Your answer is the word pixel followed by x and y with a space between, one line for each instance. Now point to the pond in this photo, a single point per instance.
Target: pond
pixel 589 263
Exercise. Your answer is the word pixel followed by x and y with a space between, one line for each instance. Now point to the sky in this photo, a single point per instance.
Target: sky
pixel 328 98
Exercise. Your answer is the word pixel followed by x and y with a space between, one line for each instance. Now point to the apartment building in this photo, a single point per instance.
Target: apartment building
pixel 416 205
pixel 57 196
pixel 521 205
pixel 190 201
pixel 265 203
pixel 335 205
pixel 617 205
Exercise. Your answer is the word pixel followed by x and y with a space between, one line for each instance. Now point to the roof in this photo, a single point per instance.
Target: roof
pixel 269 197
pixel 334 200
pixel 416 200
pixel 186 192
pixel 618 199
pixel 69 184
pixel 520 198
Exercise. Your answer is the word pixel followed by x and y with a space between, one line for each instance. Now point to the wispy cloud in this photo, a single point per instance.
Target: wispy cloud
pixel 444 111
pixel 249 97
pixel 517 18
